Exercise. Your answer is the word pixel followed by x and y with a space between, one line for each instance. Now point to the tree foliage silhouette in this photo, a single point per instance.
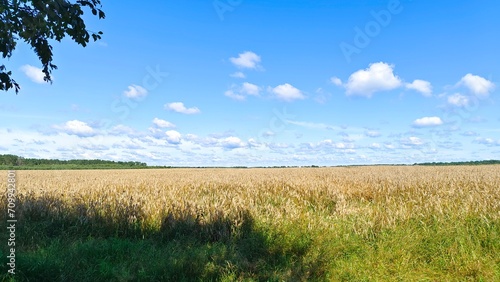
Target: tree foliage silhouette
pixel 38 21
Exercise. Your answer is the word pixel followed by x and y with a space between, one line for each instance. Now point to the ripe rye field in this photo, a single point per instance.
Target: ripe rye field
pixel 394 223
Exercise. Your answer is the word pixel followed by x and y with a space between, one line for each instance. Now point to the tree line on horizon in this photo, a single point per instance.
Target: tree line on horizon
pixel 484 162
pixel 9 160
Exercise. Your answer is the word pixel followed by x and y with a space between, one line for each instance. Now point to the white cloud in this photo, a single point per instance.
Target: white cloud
pixel 352 137
pixel 121 129
pixel 229 149
pixel 322 96
pixel 478 85
pixel 327 145
pixel 180 108
pixel 421 86
pixel 252 143
pixel 377 77
pixel 458 100
pixel 128 144
pixel 35 74
pixel 246 59
pixel 250 89
pixel 335 80
pixel 411 141
pixel 232 94
pixel 469 133
pixel 427 121
pixel 240 93
pixel 156 132
pixel 232 142
pixel 216 140
pixel 389 146
pixel 162 123
pixel 287 92
pixel 173 137
pixel 76 127
pixel 135 91
pixel 375 146
pixel 238 74
pixel 94 147
pixel 268 133
pixel 341 145
pixel 372 133
pixel 487 141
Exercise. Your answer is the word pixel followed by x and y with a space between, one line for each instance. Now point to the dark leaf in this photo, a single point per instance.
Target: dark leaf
pixel 37 22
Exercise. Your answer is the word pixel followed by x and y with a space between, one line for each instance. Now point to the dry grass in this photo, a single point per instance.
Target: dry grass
pixel 380 196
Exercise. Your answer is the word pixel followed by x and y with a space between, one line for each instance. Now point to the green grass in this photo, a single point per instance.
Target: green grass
pixel 432 249
pixel 429 249
pixel 56 246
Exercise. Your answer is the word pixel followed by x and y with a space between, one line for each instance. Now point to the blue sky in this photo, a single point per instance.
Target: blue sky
pixel 224 83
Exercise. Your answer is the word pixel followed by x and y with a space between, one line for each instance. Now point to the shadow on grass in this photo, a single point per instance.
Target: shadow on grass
pixel 57 242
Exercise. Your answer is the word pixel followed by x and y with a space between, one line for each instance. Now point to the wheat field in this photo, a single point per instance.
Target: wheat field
pixel 338 224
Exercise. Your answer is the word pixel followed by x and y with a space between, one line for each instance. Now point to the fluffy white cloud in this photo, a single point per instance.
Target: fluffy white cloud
pixel 162 123
pixel 341 145
pixel 180 108
pixel 477 85
pixel 232 142
pixel 238 74
pixel 287 92
pixel 173 137
pixel 427 121
pixel 389 146
pixel 250 89
pixel 76 127
pixel 421 86
pixel 335 80
pixel 216 141
pixel 377 77
pixel 246 59
pixel 458 100
pixel 35 74
pixel 135 91
pixel 240 93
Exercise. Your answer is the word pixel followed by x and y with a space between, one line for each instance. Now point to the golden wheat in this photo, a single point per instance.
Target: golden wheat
pixel 372 197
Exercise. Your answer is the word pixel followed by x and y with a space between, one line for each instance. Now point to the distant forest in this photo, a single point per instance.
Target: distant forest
pixel 487 162
pixel 16 162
